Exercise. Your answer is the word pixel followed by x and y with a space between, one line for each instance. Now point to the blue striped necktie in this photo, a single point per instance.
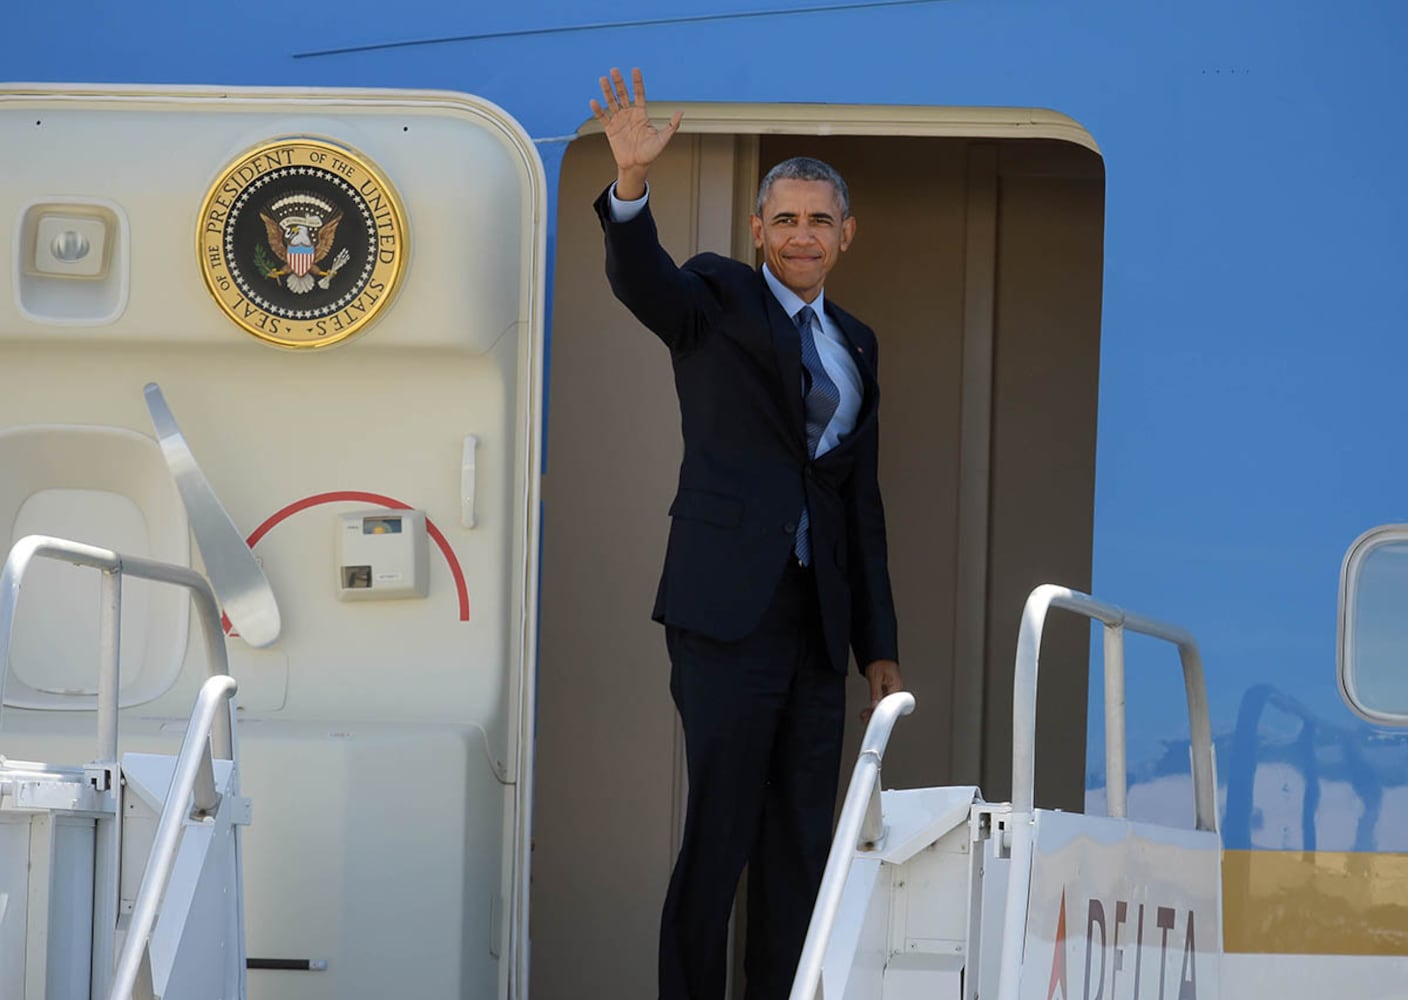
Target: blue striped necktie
pixel 820 398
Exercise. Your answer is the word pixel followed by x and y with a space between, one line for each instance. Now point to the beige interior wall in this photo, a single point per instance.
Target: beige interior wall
pixel 1049 260
pixel 608 775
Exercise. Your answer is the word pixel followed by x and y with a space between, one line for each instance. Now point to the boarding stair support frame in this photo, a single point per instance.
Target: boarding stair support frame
pixel 71 838
pixel 932 893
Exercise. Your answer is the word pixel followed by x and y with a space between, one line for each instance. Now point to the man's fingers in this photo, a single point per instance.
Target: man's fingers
pixel 610 98
pixel 675 122
pixel 622 94
pixel 598 111
pixel 638 85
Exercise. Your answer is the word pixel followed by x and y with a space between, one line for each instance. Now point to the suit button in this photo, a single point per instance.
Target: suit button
pixel 789 528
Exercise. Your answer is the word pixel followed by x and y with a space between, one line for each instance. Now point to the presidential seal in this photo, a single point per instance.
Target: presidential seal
pixel 302 242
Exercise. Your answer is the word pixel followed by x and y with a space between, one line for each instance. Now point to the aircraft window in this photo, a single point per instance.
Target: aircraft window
pixel 1373 648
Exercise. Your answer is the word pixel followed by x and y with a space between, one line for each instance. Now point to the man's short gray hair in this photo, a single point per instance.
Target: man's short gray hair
pixel 805 168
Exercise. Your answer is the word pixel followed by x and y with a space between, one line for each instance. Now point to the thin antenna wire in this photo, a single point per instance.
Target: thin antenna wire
pixel 610 25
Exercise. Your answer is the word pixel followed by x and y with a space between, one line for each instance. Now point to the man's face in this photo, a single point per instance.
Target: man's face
pixel 802 234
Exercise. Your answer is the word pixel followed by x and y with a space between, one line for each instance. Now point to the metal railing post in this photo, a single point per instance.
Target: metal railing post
pixel 205 798
pixel 1116 773
pixel 1199 735
pixel 872 827
pixel 110 650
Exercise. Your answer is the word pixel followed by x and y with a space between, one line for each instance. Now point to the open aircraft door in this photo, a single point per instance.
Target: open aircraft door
pixel 340 294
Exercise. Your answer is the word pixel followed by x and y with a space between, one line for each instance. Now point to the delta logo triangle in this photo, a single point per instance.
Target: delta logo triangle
pixel 1058 957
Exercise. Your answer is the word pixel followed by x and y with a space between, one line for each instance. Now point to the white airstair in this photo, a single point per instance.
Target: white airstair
pixel 121 877
pixel 932 893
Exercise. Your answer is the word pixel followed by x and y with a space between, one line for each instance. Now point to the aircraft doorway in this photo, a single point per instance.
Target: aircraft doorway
pixel 978 263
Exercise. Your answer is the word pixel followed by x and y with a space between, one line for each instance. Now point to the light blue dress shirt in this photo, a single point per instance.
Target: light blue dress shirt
pixel 835 357
pixel 831 345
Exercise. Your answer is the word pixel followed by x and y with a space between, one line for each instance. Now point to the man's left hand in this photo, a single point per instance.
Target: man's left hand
pixel 885 679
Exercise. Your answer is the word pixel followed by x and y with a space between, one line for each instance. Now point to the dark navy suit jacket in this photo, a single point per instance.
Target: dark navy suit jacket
pixel 746 474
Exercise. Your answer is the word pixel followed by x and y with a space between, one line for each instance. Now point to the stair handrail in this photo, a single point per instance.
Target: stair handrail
pixel 192 780
pixel 1024 682
pixel 860 828
pixel 114 567
pixel 1116 621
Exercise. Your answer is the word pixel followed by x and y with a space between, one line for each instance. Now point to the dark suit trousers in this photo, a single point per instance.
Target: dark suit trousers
pixel 762 724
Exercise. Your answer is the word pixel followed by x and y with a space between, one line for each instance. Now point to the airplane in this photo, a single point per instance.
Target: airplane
pixel 1137 276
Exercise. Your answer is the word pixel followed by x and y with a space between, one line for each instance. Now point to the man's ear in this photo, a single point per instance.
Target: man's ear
pixel 756 225
pixel 848 232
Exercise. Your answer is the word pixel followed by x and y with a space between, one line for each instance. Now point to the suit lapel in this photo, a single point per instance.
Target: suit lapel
pixel 787 344
pixel 862 346
pixel 861 349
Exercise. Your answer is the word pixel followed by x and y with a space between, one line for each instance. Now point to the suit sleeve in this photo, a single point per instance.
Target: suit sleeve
pixel 874 635
pixel 675 303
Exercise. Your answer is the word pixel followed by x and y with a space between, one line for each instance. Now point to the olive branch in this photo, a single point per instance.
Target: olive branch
pixel 264 261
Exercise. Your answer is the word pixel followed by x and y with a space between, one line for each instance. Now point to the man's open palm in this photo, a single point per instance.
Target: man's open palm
pixel 635 142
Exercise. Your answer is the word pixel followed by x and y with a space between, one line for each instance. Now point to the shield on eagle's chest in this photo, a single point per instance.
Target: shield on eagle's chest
pixel 300 259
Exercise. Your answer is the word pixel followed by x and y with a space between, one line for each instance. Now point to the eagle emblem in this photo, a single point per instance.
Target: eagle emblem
pixel 301 229
pixel 302 242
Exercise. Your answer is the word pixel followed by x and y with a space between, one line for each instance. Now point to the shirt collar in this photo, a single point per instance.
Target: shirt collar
pixel 790 301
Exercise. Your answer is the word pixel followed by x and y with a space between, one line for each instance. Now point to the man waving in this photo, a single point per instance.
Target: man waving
pixel 776 563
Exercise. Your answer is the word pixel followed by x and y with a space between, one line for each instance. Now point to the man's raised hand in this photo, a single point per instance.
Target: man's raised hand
pixel 635 143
